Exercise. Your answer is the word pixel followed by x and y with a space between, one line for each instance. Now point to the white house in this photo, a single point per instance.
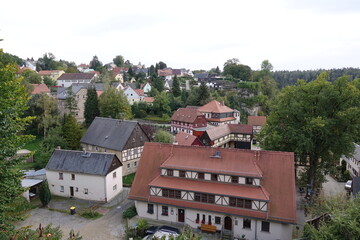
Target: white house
pixel 134 95
pixel 147 88
pixel 66 79
pixel 235 191
pixel 353 162
pixel 84 175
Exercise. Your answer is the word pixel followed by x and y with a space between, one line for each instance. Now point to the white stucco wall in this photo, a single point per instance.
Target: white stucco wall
pixel 94 183
pixel 280 231
pixel 111 182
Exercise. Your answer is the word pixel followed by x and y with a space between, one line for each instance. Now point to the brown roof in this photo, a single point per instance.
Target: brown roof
pixel 48 72
pixel 76 76
pixel 225 129
pixel 215 107
pixel 188 115
pixel 256 120
pixel 20 70
pixel 241 191
pixel 221 119
pixel 183 138
pixel 276 168
pixel 40 88
pixel 149 99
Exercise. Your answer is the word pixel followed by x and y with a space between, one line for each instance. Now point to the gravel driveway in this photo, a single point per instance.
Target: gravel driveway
pixel 109 226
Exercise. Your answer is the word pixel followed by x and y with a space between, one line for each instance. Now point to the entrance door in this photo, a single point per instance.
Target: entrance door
pixel 181 215
pixel 228 223
pixel 71 191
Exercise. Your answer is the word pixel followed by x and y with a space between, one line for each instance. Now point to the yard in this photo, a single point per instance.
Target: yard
pixel 128 180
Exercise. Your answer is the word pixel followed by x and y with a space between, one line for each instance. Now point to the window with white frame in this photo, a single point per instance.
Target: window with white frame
pixel 61 188
pixel 115 187
pixel 86 191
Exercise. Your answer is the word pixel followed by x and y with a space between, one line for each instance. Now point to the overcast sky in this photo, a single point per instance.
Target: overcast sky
pixel 299 34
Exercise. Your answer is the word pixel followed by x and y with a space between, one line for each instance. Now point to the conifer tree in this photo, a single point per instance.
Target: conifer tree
pixel 176 87
pixel 203 94
pixel 44 194
pixel 71 132
pixel 91 106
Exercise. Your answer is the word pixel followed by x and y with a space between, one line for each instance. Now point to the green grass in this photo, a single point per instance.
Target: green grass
pixel 129 178
pixel 34 145
pixel 158 119
pixel 90 214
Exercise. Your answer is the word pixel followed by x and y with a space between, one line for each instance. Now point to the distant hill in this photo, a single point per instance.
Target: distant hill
pixel 286 78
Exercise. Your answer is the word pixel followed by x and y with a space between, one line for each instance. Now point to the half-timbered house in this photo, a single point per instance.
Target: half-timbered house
pixel 188 120
pixel 217 113
pixel 234 191
pixel 124 138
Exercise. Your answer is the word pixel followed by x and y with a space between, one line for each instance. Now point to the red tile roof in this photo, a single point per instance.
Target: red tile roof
pixel 256 120
pixel 20 70
pixel 149 99
pixel 183 138
pixel 225 129
pixel 277 169
pixel 187 115
pixel 40 88
pixel 76 76
pixel 215 107
pixel 140 92
pixel 241 191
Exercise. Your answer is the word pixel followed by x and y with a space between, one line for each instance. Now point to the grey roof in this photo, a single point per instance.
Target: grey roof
pixel 76 76
pixel 109 133
pixel 80 162
pixel 201 75
pixel 144 70
pixel 76 87
pixel 33 173
pixel 26 182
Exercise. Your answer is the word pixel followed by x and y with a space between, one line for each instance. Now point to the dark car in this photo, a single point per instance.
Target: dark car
pixel 153 229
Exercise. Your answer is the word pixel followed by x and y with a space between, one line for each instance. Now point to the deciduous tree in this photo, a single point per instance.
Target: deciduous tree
pixel 319 121
pixel 163 137
pixel 119 61
pixel 114 104
pixel 161 104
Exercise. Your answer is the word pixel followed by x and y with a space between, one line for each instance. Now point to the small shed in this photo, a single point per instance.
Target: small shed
pixel 32 188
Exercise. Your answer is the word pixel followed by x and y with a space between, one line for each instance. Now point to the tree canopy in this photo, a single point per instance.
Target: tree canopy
pixel 119 61
pixel 163 137
pixel 114 104
pixel 238 71
pixel 91 106
pixel 319 121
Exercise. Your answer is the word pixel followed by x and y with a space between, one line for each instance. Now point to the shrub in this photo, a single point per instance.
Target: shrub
pixel 130 212
pixel 90 214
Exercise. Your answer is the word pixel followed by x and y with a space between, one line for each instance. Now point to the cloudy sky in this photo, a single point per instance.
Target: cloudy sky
pixel 306 34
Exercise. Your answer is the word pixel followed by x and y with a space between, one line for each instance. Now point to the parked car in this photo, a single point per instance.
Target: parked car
pixel 154 229
pixel 348 185
pixel 160 235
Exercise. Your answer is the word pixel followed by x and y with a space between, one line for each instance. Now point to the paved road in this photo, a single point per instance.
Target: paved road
pixel 110 226
pixel 332 187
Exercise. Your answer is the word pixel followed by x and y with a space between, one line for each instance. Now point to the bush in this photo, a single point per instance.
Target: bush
pixel 130 212
pixel 91 214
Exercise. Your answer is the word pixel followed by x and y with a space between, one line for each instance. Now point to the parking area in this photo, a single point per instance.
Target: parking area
pixel 58 214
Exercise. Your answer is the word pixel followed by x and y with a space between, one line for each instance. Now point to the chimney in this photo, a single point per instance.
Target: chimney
pixel 222 103
pixel 58 148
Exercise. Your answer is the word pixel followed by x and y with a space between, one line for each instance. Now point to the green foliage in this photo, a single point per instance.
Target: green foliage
pixel 161 104
pixel 7 58
pixel 70 101
pixel 140 109
pixel 12 106
pixel 96 64
pixel 114 104
pixel 31 77
pixel 71 132
pixel 176 91
pixel 318 120
pixel 141 227
pixel 163 137
pixel 344 222
pixel 90 214
pixel 158 84
pixel 131 72
pixel 238 71
pixel 128 179
pixel 249 85
pixel 119 61
pixel 203 96
pixel 91 106
pixel 49 81
pixel 130 212
pixel 44 194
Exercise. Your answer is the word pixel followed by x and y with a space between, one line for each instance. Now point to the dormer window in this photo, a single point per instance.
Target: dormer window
pixel 201 175
pixel 234 179
pixel 170 172
pixel 249 181
pixel 214 177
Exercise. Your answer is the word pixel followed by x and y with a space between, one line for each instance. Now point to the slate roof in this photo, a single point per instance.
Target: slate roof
pixel 275 168
pixel 76 76
pixel 81 162
pixel 109 133
pixel 201 75
pixel 76 87
pixel 188 115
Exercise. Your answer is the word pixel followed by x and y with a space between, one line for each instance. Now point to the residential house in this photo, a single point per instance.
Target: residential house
pixel 217 113
pixel 124 138
pixel 134 95
pixel 66 79
pixel 53 74
pixel 235 191
pixel 201 76
pixel 80 92
pixel 186 139
pixel 168 84
pixel 353 162
pixel 84 175
pixel 32 181
pixel 118 73
pixel 30 64
pixel 82 67
pixel 146 87
pixel 165 72
pixel 118 85
pixel 188 120
pixel 149 100
pixel 40 88
pixel 142 70
pixel 228 136
pixel 257 122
